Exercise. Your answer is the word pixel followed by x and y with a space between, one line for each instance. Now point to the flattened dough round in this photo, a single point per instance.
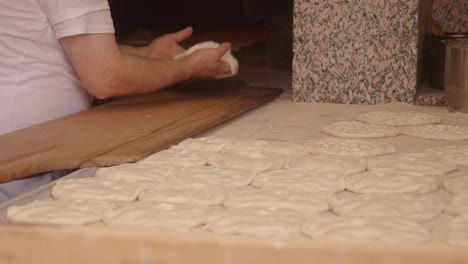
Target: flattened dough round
pixel 437 132
pixel 178 158
pixel 457 185
pixel 60 212
pixel 165 216
pixel 385 183
pixel 186 192
pixel 258 222
pixel 457 154
pixel 411 163
pixel 398 118
pixel 349 147
pixel 457 205
pixel 277 199
pixel 455 232
pixel 355 129
pixel 143 171
pixel 240 163
pixel 326 164
pixel 366 229
pixel 228 57
pixel 415 207
pixel 217 175
pixel 205 144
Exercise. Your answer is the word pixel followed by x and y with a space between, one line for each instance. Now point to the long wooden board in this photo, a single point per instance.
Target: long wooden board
pixel 125 130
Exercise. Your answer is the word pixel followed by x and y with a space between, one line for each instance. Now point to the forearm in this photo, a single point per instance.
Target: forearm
pixel 138 51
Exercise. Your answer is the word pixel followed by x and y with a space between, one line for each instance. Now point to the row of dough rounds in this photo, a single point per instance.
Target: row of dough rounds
pixel 382 124
pixel 270 188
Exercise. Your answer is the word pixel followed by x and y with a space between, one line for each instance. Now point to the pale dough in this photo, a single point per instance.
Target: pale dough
pixel 277 199
pixel 217 175
pixel 457 185
pixel 178 158
pixel 326 164
pixel 61 212
pixel 100 189
pixel 228 57
pixel 437 132
pixel 205 144
pixel 258 222
pixel 355 129
pixel 143 171
pixel 454 232
pixel 240 163
pixel 419 208
pixel 185 191
pixel 349 147
pixel 411 163
pixel 457 154
pixel 398 118
pixel 385 183
pixel 457 205
pixel 300 181
pixel 366 229
pixel 165 216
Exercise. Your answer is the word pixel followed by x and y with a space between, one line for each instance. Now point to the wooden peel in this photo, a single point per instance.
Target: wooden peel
pixel 125 130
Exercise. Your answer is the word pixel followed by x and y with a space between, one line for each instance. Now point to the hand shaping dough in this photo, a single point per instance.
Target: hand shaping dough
pixel 356 129
pixel 457 154
pixel 165 216
pixel 366 229
pixel 412 163
pixel 258 222
pixel 228 57
pixel 457 185
pixel 185 192
pixel 349 147
pixel 437 132
pixel 326 163
pixel 60 212
pixel 385 183
pixel 300 181
pixel 398 118
pixel 457 205
pixel 278 199
pixel 415 207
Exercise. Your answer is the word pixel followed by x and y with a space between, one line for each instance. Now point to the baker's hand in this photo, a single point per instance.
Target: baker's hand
pixel 167 46
pixel 206 63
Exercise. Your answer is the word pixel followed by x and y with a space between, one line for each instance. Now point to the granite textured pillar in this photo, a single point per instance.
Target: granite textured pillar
pixel 451 15
pixel 355 52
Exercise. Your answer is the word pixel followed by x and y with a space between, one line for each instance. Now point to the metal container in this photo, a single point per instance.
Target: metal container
pixel 456 74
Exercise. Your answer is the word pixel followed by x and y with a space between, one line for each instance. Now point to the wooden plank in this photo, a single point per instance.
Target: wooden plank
pixel 51 245
pixel 125 130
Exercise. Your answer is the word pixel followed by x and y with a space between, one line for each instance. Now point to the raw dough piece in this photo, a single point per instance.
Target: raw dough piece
pixel 180 217
pixel 100 189
pixel 205 144
pixel 300 181
pixel 415 207
pixel 276 152
pixel 455 232
pixel 356 129
pixel 412 163
pixel 228 57
pixel 178 158
pixel 457 185
pixel 366 229
pixel 457 205
pixel 385 183
pixel 398 118
pixel 349 147
pixel 239 163
pixel 326 164
pixel 457 154
pixel 277 199
pixel 437 132
pixel 139 171
pixel 258 222
pixel 58 212
pixel 186 192
pixel 220 176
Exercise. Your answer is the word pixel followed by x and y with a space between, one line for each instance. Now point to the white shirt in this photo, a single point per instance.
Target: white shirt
pixel 37 81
